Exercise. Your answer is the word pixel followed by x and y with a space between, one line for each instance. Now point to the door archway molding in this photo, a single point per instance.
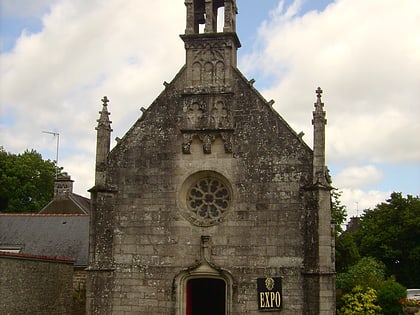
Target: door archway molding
pixel 202 270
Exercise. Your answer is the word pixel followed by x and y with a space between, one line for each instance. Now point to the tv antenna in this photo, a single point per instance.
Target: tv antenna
pixel 55 134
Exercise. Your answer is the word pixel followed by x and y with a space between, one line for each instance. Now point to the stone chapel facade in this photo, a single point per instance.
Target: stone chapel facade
pixel 211 203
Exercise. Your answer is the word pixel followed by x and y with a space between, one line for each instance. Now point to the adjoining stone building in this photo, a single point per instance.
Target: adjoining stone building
pixel 51 235
pixel 31 284
pixel 36 252
pixel 211 203
pixel 65 201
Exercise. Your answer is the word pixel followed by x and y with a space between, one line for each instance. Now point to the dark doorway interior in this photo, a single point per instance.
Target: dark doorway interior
pixel 206 296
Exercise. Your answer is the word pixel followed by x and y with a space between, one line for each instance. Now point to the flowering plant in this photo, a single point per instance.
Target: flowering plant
pixel 410 302
pixel 360 301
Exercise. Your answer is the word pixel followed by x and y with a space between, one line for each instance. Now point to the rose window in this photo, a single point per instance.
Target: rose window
pixel 208 199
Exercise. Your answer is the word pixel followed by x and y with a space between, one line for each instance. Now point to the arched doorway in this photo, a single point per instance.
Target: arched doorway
pixel 206 296
pixel 203 290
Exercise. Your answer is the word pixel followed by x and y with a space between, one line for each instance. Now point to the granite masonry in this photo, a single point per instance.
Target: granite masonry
pixel 211 203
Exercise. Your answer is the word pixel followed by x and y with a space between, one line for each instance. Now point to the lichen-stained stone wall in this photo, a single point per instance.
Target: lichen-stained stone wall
pixel 35 285
pixel 210 183
pixel 264 163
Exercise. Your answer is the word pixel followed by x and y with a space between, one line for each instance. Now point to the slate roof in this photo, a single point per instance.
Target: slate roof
pixel 61 235
pixel 71 204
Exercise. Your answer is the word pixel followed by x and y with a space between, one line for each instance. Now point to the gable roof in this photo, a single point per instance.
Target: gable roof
pixel 71 204
pixel 65 201
pixel 47 235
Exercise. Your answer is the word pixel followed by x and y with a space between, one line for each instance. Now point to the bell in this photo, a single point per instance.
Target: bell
pixel 200 11
pixel 200 17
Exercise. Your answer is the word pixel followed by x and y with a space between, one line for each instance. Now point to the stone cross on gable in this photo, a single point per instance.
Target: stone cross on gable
pixel 318 92
pixel 105 100
pixel 318 105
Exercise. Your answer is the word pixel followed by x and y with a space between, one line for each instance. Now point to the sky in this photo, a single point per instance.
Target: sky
pixel 58 58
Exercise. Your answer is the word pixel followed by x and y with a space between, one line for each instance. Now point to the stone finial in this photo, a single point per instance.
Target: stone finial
pixel 103 121
pixel 103 141
pixel 105 101
pixel 319 105
pixel 319 121
pixel 205 248
pixel 319 92
pixel 319 112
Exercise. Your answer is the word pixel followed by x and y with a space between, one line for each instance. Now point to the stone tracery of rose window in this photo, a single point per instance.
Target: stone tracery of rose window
pixel 208 199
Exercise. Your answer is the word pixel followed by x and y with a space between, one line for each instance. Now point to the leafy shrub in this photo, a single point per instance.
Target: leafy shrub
pixel 360 302
pixel 389 296
pixel 367 273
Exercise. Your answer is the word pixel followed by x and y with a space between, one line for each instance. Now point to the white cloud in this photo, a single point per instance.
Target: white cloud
pixel 357 200
pixel 383 136
pixel 366 56
pixel 354 177
pixel 80 167
pixel 54 80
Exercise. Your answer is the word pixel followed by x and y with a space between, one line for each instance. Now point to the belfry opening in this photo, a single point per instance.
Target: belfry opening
pixel 210 16
pixel 204 16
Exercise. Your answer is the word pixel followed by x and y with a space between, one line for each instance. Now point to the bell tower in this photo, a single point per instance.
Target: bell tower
pixel 211 55
pixel 206 12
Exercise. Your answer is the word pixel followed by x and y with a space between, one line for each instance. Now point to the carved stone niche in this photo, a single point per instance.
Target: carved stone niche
pixel 220 115
pixel 207 117
pixel 195 114
pixel 207 137
pixel 209 112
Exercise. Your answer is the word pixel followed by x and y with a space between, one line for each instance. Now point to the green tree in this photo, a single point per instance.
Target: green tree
pixel 346 252
pixel 26 181
pixel 391 233
pixel 366 273
pixel 389 295
pixel 338 210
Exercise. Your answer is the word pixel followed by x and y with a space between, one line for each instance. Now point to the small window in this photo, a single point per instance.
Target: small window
pixel 11 249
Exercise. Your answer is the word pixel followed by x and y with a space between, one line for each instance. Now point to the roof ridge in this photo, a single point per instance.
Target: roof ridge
pixel 76 199
pixel 80 196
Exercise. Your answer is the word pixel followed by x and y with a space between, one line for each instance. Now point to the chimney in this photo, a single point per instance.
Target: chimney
pixel 63 186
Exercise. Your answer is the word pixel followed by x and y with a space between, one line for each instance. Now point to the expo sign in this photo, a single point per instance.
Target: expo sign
pixel 269 294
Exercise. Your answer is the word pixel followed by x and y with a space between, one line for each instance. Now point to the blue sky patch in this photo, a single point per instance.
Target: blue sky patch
pixel 11 28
